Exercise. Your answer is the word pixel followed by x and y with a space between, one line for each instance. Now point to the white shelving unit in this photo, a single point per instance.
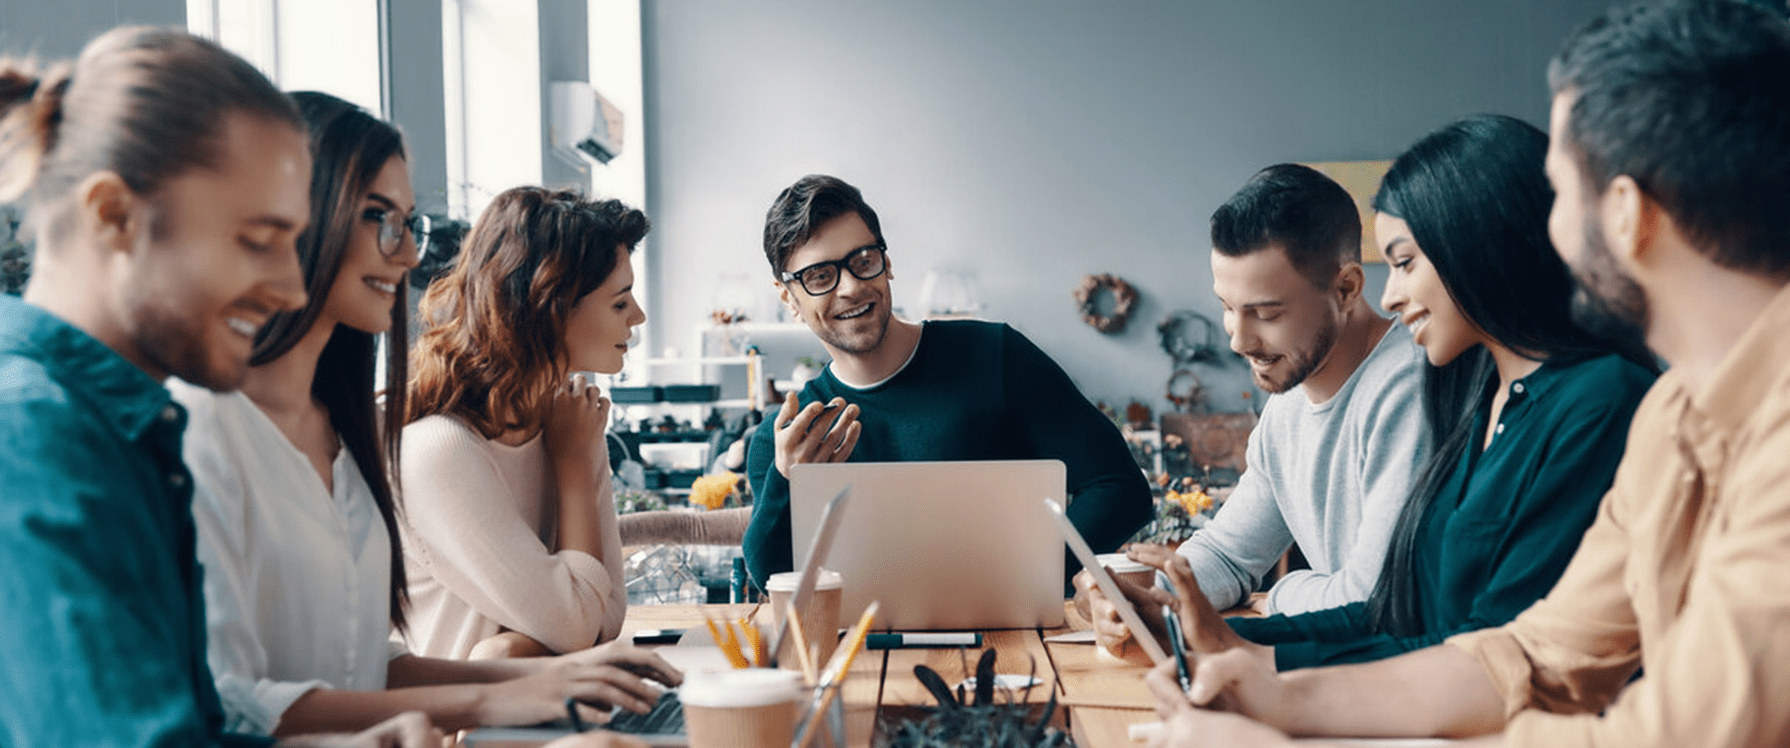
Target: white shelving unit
pixel 722 360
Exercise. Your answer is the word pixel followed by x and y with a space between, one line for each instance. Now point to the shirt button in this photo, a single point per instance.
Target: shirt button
pixel 1500 428
pixel 177 480
pixel 1518 388
pixel 169 414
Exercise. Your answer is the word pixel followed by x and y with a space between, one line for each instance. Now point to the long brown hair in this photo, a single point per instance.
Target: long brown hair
pixel 494 327
pixel 348 149
pixel 143 102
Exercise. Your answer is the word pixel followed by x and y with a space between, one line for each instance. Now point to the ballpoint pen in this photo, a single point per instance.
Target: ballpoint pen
pixel 1177 639
pixel 1178 642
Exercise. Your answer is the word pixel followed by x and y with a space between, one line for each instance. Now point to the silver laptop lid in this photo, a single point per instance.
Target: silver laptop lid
pixel 943 545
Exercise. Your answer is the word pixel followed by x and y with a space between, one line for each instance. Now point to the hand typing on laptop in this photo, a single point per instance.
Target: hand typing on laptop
pixel 803 436
pixel 607 675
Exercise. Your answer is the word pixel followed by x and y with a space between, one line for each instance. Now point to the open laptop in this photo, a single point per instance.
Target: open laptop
pixel 943 545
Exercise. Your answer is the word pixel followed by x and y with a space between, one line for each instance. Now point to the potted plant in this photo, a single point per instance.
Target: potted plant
pixel 976 719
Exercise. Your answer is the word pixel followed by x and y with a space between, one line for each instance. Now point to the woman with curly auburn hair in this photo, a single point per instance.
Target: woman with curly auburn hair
pixel 510 531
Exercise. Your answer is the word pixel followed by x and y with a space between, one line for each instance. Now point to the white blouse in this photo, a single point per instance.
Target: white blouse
pixel 297 577
pixel 480 519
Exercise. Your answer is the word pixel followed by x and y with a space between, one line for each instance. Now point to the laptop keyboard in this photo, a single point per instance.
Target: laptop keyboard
pixel 665 718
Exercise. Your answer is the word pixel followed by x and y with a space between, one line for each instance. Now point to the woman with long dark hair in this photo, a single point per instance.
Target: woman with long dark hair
pixel 1529 412
pixel 298 529
pixel 511 529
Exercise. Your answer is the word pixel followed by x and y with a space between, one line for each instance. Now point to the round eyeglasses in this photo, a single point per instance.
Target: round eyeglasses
pixel 819 279
pixel 392 227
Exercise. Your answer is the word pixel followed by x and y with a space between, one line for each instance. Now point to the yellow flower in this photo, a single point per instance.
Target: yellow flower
pixel 1200 501
pixel 1194 502
pixel 712 491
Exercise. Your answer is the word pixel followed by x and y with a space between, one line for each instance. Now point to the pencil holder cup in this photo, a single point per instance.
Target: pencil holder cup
pixel 819 618
pixel 745 708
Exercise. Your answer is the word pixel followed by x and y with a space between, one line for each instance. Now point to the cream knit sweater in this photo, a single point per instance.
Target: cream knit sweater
pixel 479 522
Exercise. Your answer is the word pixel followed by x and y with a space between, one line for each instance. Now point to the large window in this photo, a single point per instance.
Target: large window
pixel 332 46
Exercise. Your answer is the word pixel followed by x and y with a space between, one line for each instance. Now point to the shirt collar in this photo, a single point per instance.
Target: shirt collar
pixel 129 399
pixel 1752 369
pixel 1538 382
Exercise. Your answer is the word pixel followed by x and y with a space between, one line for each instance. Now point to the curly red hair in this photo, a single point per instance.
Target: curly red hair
pixel 492 347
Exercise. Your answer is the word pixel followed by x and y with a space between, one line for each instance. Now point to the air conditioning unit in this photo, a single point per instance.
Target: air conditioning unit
pixel 584 122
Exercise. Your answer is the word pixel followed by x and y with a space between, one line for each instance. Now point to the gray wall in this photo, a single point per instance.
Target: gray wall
pixel 58 29
pixel 1036 141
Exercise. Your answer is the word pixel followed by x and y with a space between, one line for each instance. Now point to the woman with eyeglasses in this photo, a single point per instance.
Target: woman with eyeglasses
pixel 510 527
pixel 297 520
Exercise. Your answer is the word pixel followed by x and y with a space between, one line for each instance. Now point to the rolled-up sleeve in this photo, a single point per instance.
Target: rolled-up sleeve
pixel 1715 671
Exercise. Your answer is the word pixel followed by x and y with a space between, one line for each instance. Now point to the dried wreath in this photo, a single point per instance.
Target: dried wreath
pixel 1087 300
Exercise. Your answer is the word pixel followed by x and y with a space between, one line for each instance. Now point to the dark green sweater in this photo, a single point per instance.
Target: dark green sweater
pixel 1505 523
pixel 973 391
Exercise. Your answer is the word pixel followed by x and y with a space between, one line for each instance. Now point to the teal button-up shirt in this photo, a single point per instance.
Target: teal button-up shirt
pixel 102 622
pixel 1504 524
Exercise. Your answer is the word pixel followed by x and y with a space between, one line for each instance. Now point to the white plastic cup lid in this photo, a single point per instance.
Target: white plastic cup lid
pixel 746 687
pixel 1120 564
pixel 827 579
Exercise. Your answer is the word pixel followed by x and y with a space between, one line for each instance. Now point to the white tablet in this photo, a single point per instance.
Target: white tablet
pixel 1090 562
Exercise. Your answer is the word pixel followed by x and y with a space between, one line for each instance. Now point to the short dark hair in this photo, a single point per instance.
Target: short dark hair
pixel 1691 99
pixel 803 207
pixel 1308 215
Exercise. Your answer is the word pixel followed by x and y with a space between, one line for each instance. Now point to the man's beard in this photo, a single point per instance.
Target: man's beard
pixel 1606 302
pixel 1304 362
pixel 860 344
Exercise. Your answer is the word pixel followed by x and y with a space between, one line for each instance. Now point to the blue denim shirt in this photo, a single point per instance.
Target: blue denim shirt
pixel 102 622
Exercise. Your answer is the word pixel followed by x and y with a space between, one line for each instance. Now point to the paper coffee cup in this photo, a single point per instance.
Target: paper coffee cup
pixel 1136 573
pixel 820 619
pixel 747 708
pixel 1142 575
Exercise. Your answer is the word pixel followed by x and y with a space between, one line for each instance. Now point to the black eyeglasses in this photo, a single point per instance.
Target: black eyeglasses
pixel 392 227
pixel 819 279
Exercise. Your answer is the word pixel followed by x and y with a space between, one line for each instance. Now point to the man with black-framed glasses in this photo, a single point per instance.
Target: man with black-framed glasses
pixel 899 390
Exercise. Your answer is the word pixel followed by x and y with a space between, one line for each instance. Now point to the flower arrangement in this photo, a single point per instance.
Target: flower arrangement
pixel 715 491
pixel 1184 506
pixel 1194 500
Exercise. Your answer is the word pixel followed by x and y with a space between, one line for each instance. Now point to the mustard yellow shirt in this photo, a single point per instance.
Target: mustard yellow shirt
pixel 1685 573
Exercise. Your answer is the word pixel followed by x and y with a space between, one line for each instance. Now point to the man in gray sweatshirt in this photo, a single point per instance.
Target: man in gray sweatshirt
pixel 1341 436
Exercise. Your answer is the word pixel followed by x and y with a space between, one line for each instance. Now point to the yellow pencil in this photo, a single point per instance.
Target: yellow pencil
pixel 751 633
pixel 801 643
pixel 730 647
pixel 836 669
